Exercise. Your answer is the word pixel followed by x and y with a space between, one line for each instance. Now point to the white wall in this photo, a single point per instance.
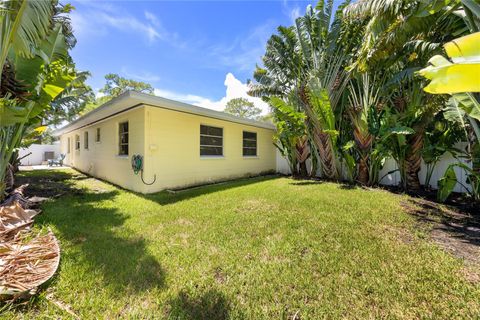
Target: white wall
pixel 394 178
pixel 38 151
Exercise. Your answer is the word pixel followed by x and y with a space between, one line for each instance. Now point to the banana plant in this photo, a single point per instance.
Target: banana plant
pixel 457 75
pixel 447 183
pixel 291 138
pixel 44 76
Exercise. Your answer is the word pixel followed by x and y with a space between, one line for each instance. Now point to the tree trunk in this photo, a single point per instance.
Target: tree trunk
pixel 414 161
pixel 303 169
pixel 321 140
pixel 363 171
pixel 302 153
pixel 326 154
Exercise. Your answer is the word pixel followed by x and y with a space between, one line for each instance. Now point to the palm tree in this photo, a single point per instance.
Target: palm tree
pixel 399 37
pixel 306 60
pixel 365 104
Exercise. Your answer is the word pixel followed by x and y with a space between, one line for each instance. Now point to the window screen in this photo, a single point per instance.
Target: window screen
pixel 77 142
pixel 211 141
pixel 249 143
pixel 123 139
pixel 97 135
pixel 85 140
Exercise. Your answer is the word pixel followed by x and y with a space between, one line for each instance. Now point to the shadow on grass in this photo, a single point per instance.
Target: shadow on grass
pixel 344 186
pixel 459 225
pixel 306 182
pixel 211 305
pixel 92 234
pixel 171 197
pixel 48 183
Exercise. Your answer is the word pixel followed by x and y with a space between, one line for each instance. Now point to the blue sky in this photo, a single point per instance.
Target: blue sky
pixel 199 52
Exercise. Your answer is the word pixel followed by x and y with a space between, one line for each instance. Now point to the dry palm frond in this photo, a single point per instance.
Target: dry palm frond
pixel 14 218
pixel 17 195
pixel 25 263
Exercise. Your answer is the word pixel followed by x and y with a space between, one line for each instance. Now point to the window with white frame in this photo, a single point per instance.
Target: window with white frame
pixel 249 144
pixel 211 141
pixel 77 142
pixel 85 140
pixel 97 135
pixel 123 139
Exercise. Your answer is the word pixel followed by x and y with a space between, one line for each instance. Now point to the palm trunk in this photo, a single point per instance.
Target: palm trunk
pixel 363 175
pixel 322 141
pixel 302 153
pixel 414 161
pixel 326 154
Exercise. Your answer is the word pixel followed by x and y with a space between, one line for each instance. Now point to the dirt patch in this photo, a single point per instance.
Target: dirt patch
pixel 219 275
pixel 51 186
pixel 454 231
pixel 255 205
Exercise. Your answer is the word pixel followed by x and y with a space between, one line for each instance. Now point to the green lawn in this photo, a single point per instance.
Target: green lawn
pixel 263 248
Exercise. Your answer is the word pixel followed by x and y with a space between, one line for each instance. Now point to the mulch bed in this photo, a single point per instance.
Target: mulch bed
pixel 455 231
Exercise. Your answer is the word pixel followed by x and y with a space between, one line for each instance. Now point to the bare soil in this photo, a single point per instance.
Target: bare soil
pixel 453 230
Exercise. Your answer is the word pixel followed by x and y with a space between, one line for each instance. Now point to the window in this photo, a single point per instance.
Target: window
pixel 249 144
pixel 68 145
pixel 123 139
pixel 85 140
pixel 211 141
pixel 77 142
pixel 97 135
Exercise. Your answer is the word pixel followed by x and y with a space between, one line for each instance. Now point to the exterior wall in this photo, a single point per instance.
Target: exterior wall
pixel 170 143
pixel 173 150
pixel 101 159
pixel 38 153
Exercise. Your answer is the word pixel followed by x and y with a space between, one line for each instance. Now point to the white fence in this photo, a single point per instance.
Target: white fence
pixel 38 153
pixel 394 178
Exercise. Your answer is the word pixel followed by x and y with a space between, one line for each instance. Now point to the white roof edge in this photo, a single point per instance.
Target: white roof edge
pixel 137 98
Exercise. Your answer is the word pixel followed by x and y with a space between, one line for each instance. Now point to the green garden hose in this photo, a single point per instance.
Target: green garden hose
pixel 137 166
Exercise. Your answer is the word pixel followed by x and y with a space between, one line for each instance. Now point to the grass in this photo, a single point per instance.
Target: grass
pixel 260 248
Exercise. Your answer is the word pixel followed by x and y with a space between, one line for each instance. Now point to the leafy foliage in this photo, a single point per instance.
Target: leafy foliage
pixel 35 38
pixel 243 108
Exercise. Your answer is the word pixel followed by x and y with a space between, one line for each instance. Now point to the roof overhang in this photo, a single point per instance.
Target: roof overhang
pixel 133 99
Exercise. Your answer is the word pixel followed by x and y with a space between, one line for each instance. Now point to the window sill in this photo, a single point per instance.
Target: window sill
pixel 251 157
pixel 121 156
pixel 211 157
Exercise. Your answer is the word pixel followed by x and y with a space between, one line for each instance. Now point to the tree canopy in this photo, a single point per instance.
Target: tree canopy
pixel 243 108
pixel 116 85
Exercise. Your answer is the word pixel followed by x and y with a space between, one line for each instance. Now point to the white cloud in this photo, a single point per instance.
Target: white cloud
pixel 152 18
pixel 244 52
pixel 97 18
pixel 142 76
pixel 234 89
pixel 129 23
pixel 294 14
pixel 291 12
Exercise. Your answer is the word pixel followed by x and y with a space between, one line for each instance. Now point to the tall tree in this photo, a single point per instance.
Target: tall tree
pixel 243 108
pixel 308 59
pixel 116 85
pixel 399 37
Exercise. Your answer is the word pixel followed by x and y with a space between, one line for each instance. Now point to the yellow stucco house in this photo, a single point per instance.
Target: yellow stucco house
pixel 180 144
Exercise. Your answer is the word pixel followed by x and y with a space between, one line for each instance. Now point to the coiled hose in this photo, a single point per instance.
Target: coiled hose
pixel 137 166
